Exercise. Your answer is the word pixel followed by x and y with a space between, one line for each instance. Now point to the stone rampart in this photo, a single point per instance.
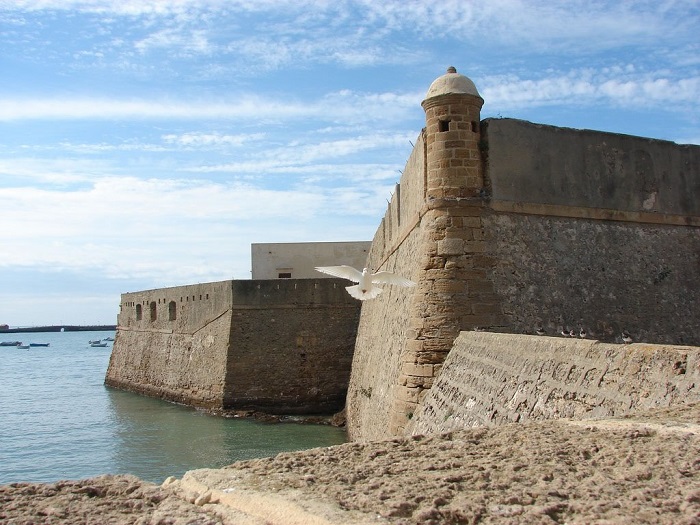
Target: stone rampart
pixel 491 379
pixel 562 169
pixel 291 345
pixel 279 346
pixel 381 344
pixel 593 230
pixel 172 343
pixel 505 226
pixel 515 227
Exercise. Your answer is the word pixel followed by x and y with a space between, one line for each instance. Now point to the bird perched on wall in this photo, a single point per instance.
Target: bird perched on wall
pixel 626 337
pixel 367 281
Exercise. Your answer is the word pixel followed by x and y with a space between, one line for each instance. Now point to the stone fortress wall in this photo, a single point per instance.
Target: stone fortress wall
pixel 278 346
pixel 509 226
pixel 493 378
pixel 180 357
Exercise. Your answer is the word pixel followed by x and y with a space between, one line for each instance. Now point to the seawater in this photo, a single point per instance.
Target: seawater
pixel 59 421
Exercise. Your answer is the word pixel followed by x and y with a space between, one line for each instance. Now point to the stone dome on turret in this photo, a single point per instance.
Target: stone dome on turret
pixel 452 83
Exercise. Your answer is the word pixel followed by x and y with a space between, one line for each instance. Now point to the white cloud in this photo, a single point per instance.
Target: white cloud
pixel 187 42
pixel 200 139
pixel 619 85
pixel 345 106
pixel 614 86
pixel 357 33
pixel 103 108
pixel 163 229
pixel 38 308
pixel 303 158
pixel 62 171
pixel 539 24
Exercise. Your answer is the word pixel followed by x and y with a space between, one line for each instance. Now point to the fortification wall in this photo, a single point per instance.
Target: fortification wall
pixel 565 229
pixel 491 379
pixel 602 276
pixel 561 262
pixel 549 170
pixel 278 346
pixel 384 322
pixel 434 236
pixel 291 345
pixel 180 357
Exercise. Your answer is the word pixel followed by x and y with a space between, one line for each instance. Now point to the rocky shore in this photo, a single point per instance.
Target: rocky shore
pixel 639 469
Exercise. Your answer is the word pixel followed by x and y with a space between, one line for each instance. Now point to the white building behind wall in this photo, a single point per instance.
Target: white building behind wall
pixel 297 260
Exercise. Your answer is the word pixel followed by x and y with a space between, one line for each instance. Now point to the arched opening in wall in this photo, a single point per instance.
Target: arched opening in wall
pixel 153 311
pixel 172 311
pixel 139 312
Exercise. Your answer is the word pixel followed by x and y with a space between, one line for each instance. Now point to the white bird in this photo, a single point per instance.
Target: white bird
pixel 365 289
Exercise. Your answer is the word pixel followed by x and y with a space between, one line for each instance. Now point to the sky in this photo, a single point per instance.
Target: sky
pixel 146 144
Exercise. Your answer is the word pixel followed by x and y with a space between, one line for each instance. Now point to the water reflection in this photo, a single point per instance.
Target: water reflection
pixel 154 439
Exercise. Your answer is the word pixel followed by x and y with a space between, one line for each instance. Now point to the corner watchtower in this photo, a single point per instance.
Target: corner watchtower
pixel 454 292
pixel 452 113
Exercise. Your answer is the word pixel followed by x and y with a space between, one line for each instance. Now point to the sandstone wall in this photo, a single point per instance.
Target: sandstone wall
pixel 182 359
pixel 278 346
pixel 561 167
pixel 594 230
pixel 299 259
pixel 291 345
pixel 384 321
pixel 563 229
pixel 602 276
pixel 490 379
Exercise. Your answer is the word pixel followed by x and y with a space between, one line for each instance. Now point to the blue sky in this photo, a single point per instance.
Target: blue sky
pixel 149 143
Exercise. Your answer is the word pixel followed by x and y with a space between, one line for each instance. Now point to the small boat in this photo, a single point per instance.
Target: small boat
pixel 39 344
pixel 108 339
pixel 23 347
pixel 98 345
pixel 10 343
pixel 95 341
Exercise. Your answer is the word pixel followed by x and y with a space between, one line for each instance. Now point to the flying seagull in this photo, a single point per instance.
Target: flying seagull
pixel 365 289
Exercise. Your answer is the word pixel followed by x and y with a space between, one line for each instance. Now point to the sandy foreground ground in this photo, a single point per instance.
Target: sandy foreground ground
pixel 634 470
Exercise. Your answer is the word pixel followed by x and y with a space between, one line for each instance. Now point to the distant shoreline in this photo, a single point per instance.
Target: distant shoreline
pixel 60 328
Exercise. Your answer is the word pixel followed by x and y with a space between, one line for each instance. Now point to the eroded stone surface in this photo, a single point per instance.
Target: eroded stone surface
pixel 643 469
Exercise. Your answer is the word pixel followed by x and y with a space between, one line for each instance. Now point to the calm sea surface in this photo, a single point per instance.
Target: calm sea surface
pixel 59 421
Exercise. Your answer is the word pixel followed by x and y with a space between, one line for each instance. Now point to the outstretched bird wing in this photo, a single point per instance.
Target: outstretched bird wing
pixel 391 278
pixel 344 271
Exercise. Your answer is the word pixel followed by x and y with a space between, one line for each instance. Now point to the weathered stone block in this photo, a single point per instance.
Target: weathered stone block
pixel 448 247
pixel 413 369
pixel 474 246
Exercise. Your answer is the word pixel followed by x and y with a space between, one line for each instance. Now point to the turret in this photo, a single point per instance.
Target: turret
pixel 452 114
